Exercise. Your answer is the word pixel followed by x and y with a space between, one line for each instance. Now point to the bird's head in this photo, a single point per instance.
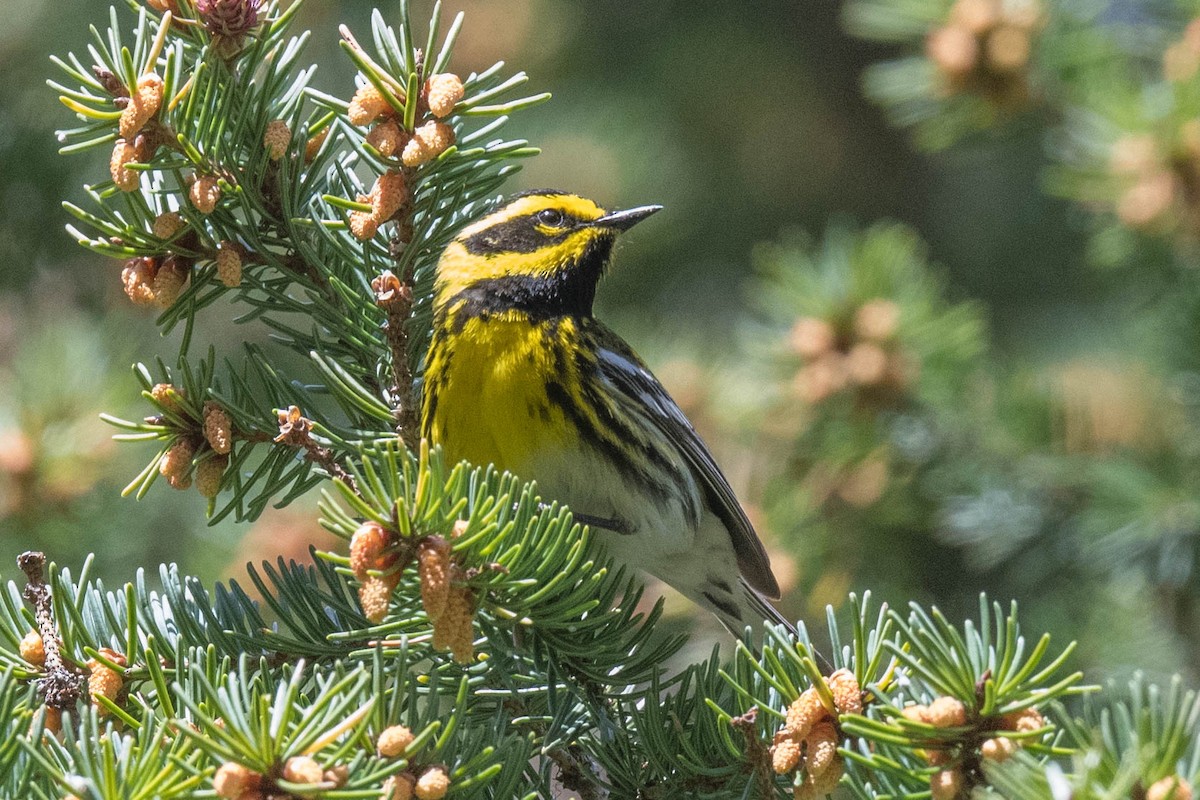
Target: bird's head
pixel 541 252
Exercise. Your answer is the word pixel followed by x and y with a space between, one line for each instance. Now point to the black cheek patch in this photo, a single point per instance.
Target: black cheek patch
pixel 517 235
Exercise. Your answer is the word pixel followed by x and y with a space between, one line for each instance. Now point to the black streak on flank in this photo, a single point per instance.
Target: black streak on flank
pixel 569 291
pixel 723 605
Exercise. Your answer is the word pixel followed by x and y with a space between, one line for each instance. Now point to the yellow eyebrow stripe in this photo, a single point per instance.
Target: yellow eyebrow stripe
pixel 578 207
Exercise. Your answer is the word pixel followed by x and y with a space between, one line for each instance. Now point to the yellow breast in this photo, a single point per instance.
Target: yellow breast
pixel 486 397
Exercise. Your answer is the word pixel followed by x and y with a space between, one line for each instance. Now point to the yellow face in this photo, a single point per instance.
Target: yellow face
pixel 537 236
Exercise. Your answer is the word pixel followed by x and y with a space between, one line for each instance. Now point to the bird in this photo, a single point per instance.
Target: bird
pixel 520 374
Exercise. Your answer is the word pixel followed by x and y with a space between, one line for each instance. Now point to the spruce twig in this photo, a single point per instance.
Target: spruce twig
pixel 61 687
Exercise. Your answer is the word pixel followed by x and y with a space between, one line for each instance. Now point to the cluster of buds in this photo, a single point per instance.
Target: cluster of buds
pixel 373 562
pixel 449 602
pixel 389 137
pixel 959 755
pixel 807 743
pixel 387 198
pixel 1172 787
pixel 1160 180
pixel 860 354
pixel 236 781
pixel 432 784
pixel 155 280
pixel 209 451
pixel 228 22
pixel 138 107
pixel 103 680
pixel 984 48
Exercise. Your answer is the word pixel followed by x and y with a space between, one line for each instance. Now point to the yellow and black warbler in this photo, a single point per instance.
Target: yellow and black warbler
pixel 520 374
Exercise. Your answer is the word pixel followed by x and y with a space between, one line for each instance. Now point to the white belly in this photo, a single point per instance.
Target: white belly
pixel 657 537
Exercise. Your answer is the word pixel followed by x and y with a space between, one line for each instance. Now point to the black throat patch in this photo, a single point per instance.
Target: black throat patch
pixel 569 290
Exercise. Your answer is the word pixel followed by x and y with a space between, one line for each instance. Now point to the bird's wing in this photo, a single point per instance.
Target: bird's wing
pixel 621 367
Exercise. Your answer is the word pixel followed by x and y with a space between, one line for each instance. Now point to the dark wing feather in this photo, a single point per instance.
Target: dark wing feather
pixel 621 367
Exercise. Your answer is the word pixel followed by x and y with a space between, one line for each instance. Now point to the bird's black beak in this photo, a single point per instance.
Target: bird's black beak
pixel 624 220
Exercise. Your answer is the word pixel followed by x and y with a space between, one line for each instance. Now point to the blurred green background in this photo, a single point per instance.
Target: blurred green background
pixel 750 124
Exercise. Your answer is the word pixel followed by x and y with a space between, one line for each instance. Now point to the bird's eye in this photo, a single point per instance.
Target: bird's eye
pixel 551 217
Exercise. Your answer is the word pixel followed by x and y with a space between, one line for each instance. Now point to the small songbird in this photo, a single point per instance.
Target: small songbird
pixel 520 374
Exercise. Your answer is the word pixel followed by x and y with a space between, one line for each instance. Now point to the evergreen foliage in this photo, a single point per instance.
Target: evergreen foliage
pixel 485 622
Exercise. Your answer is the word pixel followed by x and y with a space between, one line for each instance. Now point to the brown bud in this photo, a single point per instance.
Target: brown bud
pixel 877 320
pixel 432 785
pixel 804 712
pixel 169 281
pixel 821 746
pixel 368 105
pixel 138 280
pixel 388 195
pixel 433 568
pixel 822 379
pixel 167 224
pixel 947 712
pixel 1008 49
pixel 302 769
pixel 205 193
pixel 375 594
pixel 946 785
pixel 785 755
pixel 209 473
pixel 168 397
pixel 1025 720
pixel 866 364
pixel 1172 787
pixel 103 681
pixel 337 775
pixel 387 137
pixel 953 50
pixel 177 461
pixel 313 145
pixel 1147 200
pixel 143 104
pixel 53 719
pixel 123 153
pixel 442 93
pixel 847 694
pixel 32 649
pixel 233 780
pixel 998 749
pixel 218 428
pixel 811 338
pixel 427 142
pixel 454 631
pixel 916 713
pixel 276 139
pixel 366 548
pixel 399 787
pixel 815 785
pixel 363 225
pixel 229 264
pixel 393 741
